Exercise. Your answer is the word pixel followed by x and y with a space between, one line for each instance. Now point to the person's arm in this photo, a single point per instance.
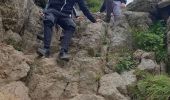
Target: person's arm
pixel 86 11
pixel 103 7
pixel 75 12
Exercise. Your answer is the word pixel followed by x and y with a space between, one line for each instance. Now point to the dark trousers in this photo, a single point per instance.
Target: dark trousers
pixel 51 18
pixel 108 7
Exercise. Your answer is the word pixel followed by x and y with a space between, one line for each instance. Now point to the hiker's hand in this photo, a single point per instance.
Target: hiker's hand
pixel 80 18
pixel 98 20
pixel 123 5
pixel 41 13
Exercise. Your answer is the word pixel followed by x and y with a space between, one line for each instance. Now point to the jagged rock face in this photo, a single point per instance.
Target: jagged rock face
pixel 90 37
pixel 119 34
pixel 159 9
pixel 13 64
pixel 87 97
pixel 143 5
pixel 147 61
pixel 163 3
pixel 113 85
pixel 52 81
pixel 15 13
pixel 139 20
pixel 84 76
pixel 14 91
pixel 22 17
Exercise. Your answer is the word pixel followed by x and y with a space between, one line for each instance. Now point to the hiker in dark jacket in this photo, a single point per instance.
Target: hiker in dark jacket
pixel 59 12
pixel 112 6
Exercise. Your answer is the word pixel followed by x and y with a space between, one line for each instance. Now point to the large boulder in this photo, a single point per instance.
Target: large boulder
pixel 21 17
pixel 147 62
pixel 87 97
pixel 143 5
pixel 90 36
pixel 15 14
pixel 119 34
pixel 13 64
pixel 129 77
pixel 51 80
pixel 14 91
pixel 109 85
pixel 11 36
pixel 163 3
pixel 138 20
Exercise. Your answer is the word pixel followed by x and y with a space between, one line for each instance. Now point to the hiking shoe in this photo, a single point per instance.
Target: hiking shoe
pixel 43 52
pixel 64 56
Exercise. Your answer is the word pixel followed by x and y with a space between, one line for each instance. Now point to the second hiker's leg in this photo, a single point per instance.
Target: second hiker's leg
pixel 109 9
pixel 48 25
pixel 69 28
pixel 117 11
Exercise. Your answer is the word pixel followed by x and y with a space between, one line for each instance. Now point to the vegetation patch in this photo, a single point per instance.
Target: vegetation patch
pixel 151 87
pixel 94 5
pixel 152 40
pixel 125 63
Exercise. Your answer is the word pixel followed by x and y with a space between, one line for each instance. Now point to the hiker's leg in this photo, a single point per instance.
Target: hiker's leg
pixel 69 28
pixel 48 21
pixel 117 11
pixel 103 7
pixel 109 9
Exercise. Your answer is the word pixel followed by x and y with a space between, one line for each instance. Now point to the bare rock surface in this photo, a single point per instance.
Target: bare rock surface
pixel 13 64
pixel 14 91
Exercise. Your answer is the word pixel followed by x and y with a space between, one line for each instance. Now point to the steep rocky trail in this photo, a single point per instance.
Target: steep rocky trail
pixel 89 75
pixel 84 75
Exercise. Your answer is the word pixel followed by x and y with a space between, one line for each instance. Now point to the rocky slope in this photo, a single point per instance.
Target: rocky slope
pixel 89 75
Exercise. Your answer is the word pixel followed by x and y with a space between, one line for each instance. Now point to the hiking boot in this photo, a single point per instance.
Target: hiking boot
pixel 43 52
pixel 64 56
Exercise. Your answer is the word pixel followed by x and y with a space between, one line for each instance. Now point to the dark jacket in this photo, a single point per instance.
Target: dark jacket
pixel 66 7
pixel 103 7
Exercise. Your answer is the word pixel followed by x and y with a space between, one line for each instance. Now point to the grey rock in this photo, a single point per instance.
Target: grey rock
pixel 163 3
pixel 108 87
pixel 88 97
pixel 14 91
pixel 143 5
pixel 92 38
pixel 148 55
pixel 12 36
pixel 13 64
pixel 148 64
pixel 51 80
pixel 138 20
pixel 15 16
pixel 129 77
pixel 119 34
pixel 137 55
